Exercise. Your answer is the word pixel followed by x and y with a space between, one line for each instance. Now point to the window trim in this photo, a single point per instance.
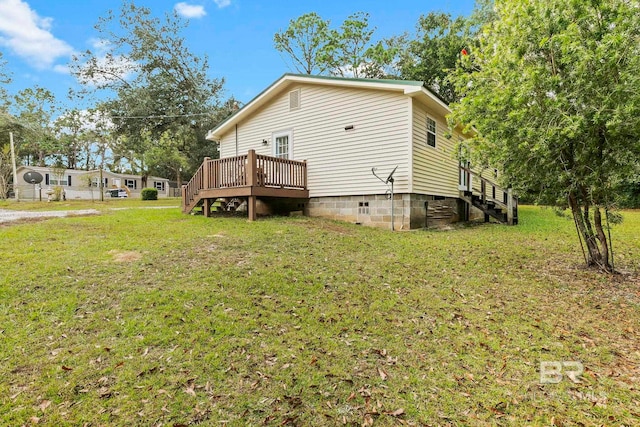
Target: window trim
pixel 133 181
pixel 289 134
pixel 433 132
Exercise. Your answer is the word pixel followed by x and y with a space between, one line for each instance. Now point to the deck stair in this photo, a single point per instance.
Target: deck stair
pixel 491 199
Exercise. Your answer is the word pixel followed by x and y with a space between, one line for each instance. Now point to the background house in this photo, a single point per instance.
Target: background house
pixel 80 184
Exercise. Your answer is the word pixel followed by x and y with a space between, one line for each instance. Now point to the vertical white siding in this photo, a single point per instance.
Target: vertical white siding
pixel 435 170
pixel 339 162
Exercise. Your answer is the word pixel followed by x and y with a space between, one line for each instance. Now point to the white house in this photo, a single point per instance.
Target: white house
pixel 81 184
pixel 343 128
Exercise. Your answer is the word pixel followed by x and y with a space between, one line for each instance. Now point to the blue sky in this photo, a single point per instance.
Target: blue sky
pixel 37 37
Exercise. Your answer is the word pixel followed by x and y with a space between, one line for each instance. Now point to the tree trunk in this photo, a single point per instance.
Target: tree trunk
pixel 597 254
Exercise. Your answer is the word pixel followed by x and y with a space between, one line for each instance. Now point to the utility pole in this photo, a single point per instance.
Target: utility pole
pixel 16 191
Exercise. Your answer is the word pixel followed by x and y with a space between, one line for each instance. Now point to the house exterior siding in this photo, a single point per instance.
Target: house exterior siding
pixel 343 128
pixel 435 169
pixel 339 161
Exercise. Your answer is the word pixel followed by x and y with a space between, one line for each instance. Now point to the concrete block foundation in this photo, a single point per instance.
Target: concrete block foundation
pixel 410 211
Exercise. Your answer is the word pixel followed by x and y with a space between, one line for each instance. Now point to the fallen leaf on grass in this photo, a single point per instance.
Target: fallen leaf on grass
pixel 382 374
pixel 396 413
pixel 368 420
pixel 105 393
pixel 44 405
pixel 34 420
pixel 190 390
pixel 66 368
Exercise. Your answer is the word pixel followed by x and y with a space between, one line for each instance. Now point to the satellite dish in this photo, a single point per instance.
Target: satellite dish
pixel 32 177
pixel 390 177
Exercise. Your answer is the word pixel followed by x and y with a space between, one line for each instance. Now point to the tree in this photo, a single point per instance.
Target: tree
pixel 552 89
pixel 433 54
pixel 351 46
pixel 5 79
pixel 313 47
pixel 159 84
pixel 305 41
pixel 84 137
pixel 35 108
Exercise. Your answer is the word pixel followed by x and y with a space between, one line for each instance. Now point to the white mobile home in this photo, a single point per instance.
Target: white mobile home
pixel 81 184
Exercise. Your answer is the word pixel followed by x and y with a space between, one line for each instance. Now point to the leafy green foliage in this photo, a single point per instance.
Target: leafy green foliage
pixel 149 194
pixel 433 54
pixel 350 51
pixel 305 42
pixel 149 316
pixel 552 91
pixel 5 79
pixel 161 87
pixel 35 109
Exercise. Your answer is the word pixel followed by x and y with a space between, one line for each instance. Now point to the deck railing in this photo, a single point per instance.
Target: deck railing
pixel 489 191
pixel 247 170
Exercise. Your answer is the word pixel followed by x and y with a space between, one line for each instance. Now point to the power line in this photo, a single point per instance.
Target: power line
pixel 164 116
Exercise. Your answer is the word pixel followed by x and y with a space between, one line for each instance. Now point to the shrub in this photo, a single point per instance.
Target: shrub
pixel 149 194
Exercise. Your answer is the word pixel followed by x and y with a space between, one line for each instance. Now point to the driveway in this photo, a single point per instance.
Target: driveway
pixel 8 215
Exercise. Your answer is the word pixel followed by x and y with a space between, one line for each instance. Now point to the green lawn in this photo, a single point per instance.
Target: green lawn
pixel 151 317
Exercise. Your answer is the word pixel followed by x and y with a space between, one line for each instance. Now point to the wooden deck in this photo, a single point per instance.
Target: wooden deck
pixel 249 176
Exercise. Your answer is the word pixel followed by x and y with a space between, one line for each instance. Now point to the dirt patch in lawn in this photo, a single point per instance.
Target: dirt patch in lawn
pixel 125 256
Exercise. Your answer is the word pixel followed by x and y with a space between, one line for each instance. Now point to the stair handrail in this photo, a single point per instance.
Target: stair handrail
pixel 512 200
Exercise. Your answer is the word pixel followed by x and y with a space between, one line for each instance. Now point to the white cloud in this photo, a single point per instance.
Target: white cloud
pixel 222 3
pixel 29 36
pixel 99 45
pixel 190 10
pixel 62 69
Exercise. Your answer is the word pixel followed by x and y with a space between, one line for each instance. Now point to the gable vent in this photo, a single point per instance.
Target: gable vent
pixel 294 100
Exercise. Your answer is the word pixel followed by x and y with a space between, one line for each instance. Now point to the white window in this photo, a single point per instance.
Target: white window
pixel 283 145
pixel 61 181
pixel 159 185
pixel 131 183
pixel 94 181
pixel 431 132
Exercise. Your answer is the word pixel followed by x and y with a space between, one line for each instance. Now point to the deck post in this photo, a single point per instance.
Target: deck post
pixel 509 206
pixel 468 177
pixel 252 168
pixel 206 173
pixel 184 198
pixel 206 207
pixel 483 197
pixel 251 202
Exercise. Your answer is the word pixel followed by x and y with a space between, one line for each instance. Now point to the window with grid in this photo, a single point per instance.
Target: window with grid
pixel 431 132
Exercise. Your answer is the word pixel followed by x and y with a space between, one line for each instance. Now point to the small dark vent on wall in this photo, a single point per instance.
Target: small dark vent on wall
pixel 294 100
pixel 349 128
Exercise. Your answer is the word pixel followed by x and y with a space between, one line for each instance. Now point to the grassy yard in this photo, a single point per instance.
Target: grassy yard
pixel 151 317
